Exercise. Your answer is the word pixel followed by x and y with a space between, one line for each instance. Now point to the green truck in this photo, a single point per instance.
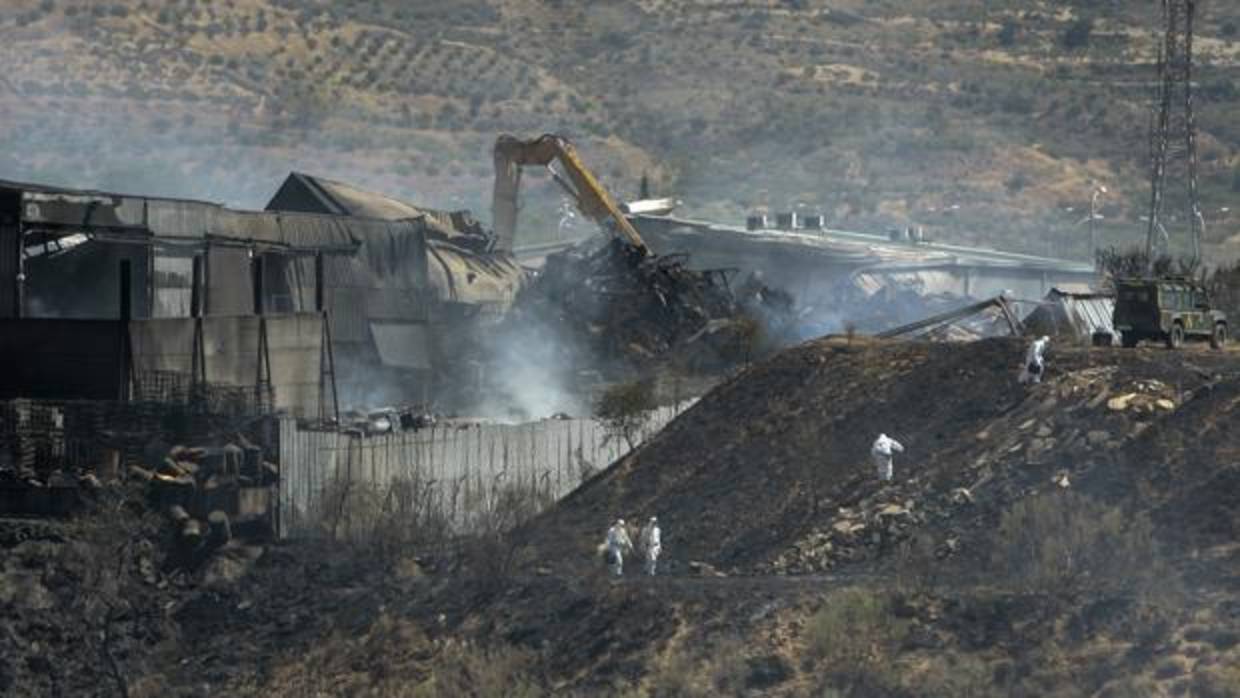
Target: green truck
pixel 1170 310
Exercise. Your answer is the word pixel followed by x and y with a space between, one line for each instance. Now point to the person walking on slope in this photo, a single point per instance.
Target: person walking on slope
pixel 882 450
pixel 652 544
pixel 1035 361
pixel 617 544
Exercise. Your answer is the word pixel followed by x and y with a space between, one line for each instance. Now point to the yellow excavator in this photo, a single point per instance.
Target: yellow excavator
pixel 512 154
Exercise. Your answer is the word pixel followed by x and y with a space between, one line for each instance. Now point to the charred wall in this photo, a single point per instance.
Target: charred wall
pixel 84 282
pixel 10 252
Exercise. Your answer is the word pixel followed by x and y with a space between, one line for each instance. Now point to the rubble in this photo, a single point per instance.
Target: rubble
pixel 201 492
pixel 611 303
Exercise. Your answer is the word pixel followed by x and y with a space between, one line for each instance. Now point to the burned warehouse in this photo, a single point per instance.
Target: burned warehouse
pixel 201 280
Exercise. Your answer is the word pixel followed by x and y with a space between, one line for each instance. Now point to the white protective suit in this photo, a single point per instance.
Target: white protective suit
pixel 882 450
pixel 652 543
pixel 1035 361
pixel 617 544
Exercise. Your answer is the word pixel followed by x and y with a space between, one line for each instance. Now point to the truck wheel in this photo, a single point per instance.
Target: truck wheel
pixel 1175 338
pixel 1129 339
pixel 1219 338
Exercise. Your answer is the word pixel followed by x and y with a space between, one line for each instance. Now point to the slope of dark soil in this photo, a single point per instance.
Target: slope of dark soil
pixel 773 468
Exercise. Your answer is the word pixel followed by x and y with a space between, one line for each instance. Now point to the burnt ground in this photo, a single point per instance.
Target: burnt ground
pixel 771 457
pixel 769 508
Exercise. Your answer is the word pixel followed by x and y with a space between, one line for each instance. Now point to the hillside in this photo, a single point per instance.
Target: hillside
pixel 1076 538
pixel 794 434
pixel 984 122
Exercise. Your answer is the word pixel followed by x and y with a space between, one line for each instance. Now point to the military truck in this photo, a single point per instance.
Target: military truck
pixel 1170 310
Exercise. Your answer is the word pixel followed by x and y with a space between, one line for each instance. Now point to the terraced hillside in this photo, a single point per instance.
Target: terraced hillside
pixel 984 122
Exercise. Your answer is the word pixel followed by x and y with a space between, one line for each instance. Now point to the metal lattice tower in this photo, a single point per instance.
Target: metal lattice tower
pixel 1174 206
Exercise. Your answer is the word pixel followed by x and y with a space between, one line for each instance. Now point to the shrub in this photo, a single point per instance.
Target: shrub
pixel 1079 33
pixel 1016 183
pixel 1134 262
pixel 1217 682
pixel 721 670
pixel 624 409
pixel 111 561
pixel 855 628
pixel 1065 544
pixel 954 675
pixel 1008 34
pixel 387 522
pixel 1223 285
pixel 482 673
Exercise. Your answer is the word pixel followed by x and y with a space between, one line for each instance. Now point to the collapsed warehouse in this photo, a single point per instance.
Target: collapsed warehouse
pixel 135 318
pixel 339 313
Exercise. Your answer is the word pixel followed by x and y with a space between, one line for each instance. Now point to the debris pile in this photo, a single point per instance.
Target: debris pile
pixel 211 495
pixel 891 305
pixel 385 420
pixel 611 303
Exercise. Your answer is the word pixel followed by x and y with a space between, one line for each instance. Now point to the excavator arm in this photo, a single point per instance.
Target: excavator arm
pixel 512 154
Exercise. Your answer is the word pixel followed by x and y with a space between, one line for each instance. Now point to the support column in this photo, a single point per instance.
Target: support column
pixel 126 313
pixel 195 291
pixel 12 272
pixel 318 282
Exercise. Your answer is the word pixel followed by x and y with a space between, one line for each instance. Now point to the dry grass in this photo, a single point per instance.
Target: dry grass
pixel 1062 545
pixel 718 669
pixel 395 659
pixel 855 628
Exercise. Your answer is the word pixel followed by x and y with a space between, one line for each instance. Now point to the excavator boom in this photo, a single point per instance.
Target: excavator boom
pixel 512 154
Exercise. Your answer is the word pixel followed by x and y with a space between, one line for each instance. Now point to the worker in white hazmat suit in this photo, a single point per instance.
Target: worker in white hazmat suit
pixel 1035 361
pixel 652 544
pixel 618 544
pixel 881 452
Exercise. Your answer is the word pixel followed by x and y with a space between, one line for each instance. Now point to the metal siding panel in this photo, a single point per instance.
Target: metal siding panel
pixel 229 281
pixel 403 345
pixel 181 219
pixel 295 343
pixel 230 349
pixel 77 209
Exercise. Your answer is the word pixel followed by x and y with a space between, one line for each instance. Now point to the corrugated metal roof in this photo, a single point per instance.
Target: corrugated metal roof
pixel 187 219
pixel 1090 315
pixel 353 201
pixel 460 276
pixel 1079 315
pixel 1075 289
pixel 868 248
pixel 303 192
